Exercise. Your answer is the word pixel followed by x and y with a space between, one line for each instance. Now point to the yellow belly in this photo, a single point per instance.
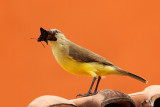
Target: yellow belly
pixel 77 68
pixel 86 69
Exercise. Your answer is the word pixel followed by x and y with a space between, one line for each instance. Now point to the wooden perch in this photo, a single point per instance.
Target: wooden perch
pixel 150 97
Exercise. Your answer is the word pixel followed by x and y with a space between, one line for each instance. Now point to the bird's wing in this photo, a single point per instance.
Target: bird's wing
pixel 81 54
pixel 84 55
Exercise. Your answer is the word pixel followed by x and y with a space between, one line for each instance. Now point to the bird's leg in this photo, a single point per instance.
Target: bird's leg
pixel 90 89
pixel 95 91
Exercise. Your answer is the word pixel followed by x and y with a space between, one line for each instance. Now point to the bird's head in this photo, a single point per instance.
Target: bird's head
pixel 48 35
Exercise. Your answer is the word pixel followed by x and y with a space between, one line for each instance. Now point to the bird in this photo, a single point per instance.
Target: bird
pixel 81 61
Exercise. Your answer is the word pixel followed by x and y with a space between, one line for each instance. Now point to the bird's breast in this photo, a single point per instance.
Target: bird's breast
pixel 68 63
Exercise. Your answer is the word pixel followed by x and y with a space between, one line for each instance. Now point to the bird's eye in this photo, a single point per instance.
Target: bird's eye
pixel 56 31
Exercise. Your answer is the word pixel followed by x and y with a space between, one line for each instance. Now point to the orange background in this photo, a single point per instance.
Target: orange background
pixel 127 32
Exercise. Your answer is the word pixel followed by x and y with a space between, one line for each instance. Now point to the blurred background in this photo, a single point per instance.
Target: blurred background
pixel 125 32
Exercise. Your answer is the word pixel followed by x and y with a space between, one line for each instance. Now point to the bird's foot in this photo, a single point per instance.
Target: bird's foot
pixel 86 95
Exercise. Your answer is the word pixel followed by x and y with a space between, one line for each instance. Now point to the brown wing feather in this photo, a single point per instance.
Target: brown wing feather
pixel 84 55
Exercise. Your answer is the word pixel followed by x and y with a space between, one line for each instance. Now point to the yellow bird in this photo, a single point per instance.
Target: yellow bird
pixel 80 61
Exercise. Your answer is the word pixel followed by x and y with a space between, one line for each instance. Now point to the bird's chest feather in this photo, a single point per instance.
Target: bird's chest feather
pixel 68 63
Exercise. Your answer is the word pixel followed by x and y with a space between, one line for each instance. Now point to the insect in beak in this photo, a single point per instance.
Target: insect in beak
pixel 40 41
pixel 42 37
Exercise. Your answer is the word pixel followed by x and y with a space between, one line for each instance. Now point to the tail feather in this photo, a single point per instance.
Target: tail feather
pixel 133 76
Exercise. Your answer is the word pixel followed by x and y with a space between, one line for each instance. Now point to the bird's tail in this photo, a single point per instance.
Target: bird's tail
pixel 133 76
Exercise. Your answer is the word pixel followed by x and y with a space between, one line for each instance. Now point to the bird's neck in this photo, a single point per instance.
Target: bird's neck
pixel 59 50
pixel 58 47
pixel 52 44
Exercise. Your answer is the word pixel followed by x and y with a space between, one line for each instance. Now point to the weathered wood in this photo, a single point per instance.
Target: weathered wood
pixel 150 97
